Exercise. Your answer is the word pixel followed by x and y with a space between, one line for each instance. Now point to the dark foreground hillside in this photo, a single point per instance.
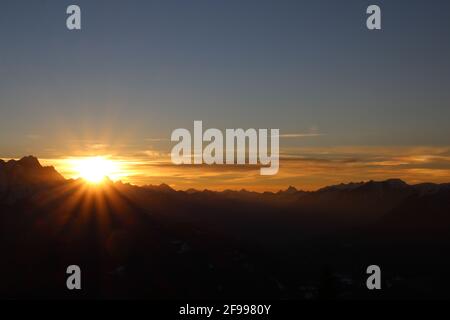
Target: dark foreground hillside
pixel 157 243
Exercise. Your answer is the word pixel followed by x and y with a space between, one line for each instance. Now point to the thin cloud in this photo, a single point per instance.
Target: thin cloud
pixel 157 139
pixel 300 135
pixel 33 136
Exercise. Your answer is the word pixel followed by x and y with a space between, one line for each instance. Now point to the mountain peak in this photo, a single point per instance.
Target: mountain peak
pixel 20 178
pixel 29 162
pixel 396 183
pixel 166 187
pixel 162 187
pixel 28 169
pixel 291 190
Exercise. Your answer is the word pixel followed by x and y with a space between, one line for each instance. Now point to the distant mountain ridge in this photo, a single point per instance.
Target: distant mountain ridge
pixel 29 171
pixel 336 206
pixel 213 243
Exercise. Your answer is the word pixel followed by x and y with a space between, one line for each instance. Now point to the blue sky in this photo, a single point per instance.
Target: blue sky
pixel 139 69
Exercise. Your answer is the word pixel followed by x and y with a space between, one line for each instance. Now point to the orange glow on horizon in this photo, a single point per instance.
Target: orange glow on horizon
pixel 304 168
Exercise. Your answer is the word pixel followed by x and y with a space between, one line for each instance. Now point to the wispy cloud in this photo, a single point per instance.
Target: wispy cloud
pixel 307 168
pixel 33 136
pixel 300 135
pixel 156 139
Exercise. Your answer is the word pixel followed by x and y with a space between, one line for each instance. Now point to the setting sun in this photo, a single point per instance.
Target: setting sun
pixel 95 169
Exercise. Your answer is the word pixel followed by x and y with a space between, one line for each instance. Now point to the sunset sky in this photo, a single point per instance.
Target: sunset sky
pixel 351 104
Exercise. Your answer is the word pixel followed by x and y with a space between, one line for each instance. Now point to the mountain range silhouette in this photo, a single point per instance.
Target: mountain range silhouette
pixel 159 243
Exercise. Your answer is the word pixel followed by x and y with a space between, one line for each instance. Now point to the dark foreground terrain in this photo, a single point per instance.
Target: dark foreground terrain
pixel 157 243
